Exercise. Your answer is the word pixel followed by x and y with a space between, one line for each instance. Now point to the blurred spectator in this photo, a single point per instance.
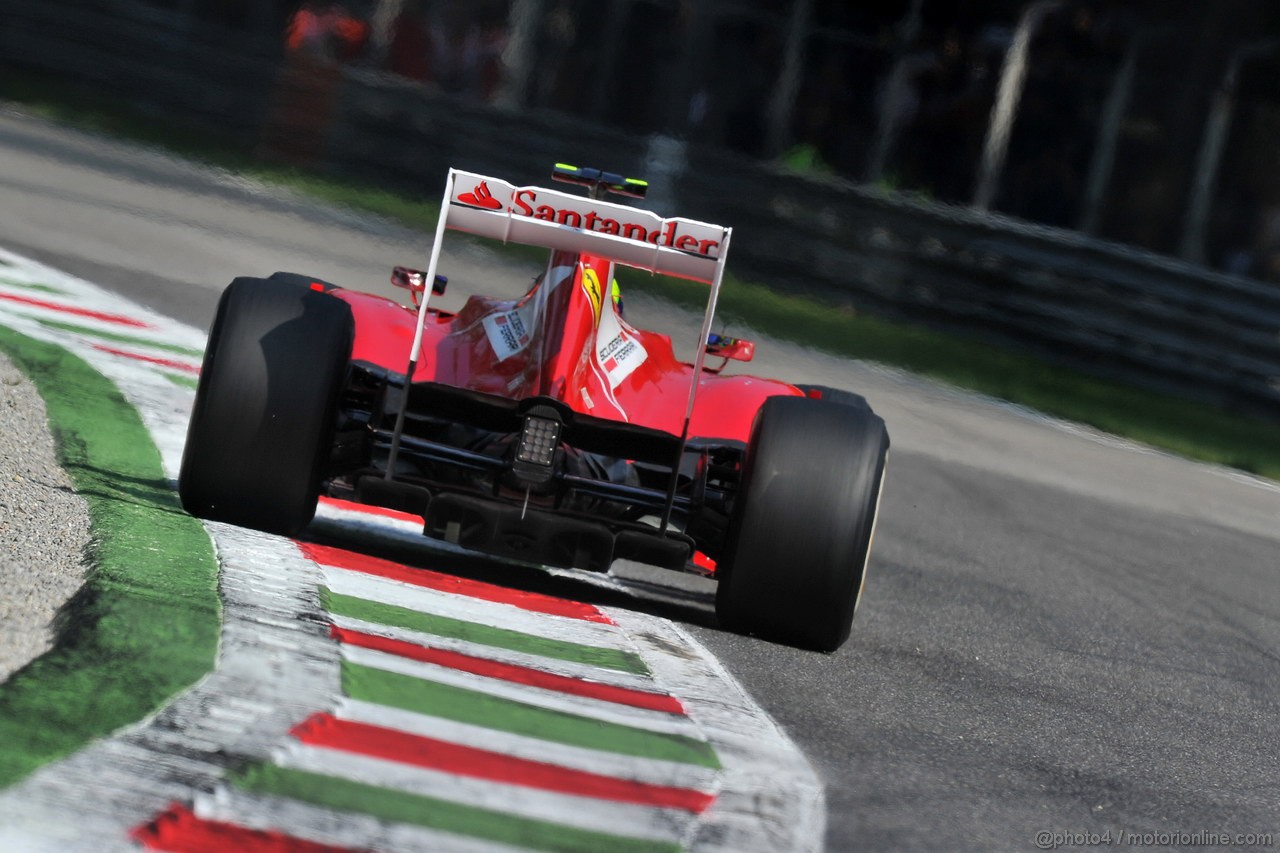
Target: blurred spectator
pixel 754 74
pixel 557 73
pixel 456 46
pixel 305 33
pixel 480 59
pixel 709 72
pixel 320 37
pixel 409 53
pixel 326 31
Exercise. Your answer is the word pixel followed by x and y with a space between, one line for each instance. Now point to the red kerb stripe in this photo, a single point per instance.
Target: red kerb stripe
pixel 79 312
pixel 536 602
pixel 325 730
pixel 178 829
pixel 369 509
pixel 511 672
pixel 149 359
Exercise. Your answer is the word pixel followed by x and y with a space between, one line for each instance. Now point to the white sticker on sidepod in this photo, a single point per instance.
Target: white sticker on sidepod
pixel 508 333
pixel 621 352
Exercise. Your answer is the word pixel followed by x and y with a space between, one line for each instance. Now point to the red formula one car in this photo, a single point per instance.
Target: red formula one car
pixel 545 428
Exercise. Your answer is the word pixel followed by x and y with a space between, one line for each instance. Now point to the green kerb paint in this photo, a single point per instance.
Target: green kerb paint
pixel 397 806
pixel 495 712
pixel 183 381
pixel 29 285
pixel 116 337
pixel 486 635
pixel 145 624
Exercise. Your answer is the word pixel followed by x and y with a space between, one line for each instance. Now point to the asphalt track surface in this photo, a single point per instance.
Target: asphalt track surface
pixel 1061 633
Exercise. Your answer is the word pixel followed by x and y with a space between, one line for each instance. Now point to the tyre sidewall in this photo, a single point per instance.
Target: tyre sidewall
pixel 802 524
pixel 266 406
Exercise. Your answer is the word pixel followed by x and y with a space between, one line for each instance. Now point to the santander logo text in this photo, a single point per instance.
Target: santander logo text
pixel 610 219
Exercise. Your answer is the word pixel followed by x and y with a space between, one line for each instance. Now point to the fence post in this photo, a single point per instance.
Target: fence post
pixel 1012 77
pixel 1216 130
pixel 1103 160
pixel 518 58
pixel 783 97
pixel 615 22
pixel 383 21
pixel 895 90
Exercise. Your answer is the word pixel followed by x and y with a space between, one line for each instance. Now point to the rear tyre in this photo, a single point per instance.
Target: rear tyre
pixel 800 534
pixel 266 406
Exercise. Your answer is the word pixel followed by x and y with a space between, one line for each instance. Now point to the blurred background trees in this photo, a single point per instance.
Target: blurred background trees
pixel 1149 123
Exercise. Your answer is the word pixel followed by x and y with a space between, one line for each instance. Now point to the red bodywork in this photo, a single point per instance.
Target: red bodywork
pixel 568 343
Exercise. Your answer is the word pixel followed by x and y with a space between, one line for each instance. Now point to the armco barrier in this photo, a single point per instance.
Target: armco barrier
pixel 146 55
pixel 1104 308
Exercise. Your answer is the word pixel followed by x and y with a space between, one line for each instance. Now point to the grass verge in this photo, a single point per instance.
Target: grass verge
pixel 144 625
pixel 1169 422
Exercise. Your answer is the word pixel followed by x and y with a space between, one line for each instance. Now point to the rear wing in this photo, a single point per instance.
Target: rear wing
pixel 536 216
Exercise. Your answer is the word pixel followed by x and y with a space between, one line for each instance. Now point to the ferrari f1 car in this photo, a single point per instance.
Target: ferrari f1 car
pixel 546 428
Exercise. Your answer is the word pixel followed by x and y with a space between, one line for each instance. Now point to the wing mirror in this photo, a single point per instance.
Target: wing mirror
pixel 412 281
pixel 738 349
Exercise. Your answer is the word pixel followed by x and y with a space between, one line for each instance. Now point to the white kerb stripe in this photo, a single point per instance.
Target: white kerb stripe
pixel 610 712
pixel 458 606
pixel 569 669
pixel 650 771
pixel 583 812
pixel 336 828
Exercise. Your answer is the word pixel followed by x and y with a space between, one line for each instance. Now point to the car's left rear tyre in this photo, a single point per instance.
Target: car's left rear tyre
pixel 266 407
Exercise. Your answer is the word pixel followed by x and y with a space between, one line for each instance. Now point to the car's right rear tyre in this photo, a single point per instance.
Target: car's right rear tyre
pixel 266 406
pixel 800 534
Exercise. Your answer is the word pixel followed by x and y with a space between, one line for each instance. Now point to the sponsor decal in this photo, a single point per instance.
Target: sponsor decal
pixel 618 351
pixel 524 203
pixel 622 350
pixel 508 332
pixel 697 239
pixel 481 197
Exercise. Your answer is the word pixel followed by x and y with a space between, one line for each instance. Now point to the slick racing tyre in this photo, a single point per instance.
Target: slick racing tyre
pixel 266 406
pixel 800 534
